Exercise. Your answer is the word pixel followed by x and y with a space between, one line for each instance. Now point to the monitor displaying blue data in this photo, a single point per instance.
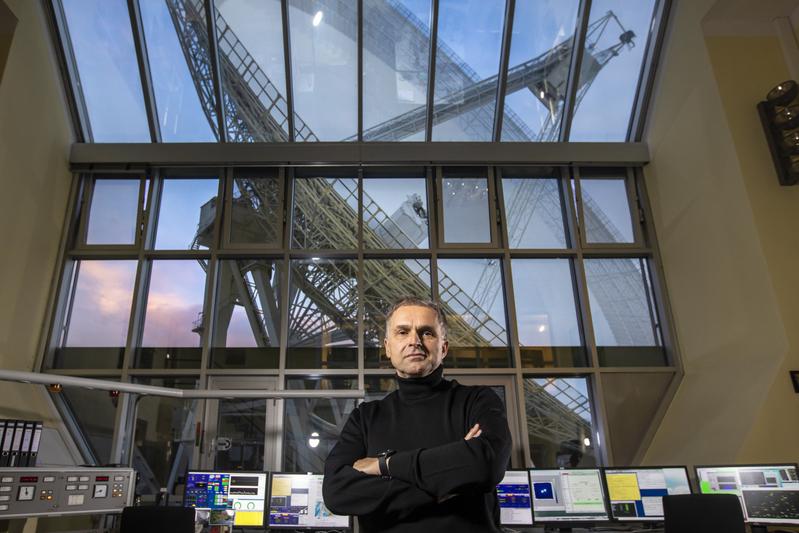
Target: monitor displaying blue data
pixel 295 502
pixel 636 494
pixel 513 493
pixel 568 495
pixel 242 492
pixel 769 494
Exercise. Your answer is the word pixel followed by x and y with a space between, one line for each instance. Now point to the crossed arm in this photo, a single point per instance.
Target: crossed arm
pixel 422 476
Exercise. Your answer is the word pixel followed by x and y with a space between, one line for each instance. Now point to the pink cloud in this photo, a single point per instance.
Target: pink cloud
pixel 101 308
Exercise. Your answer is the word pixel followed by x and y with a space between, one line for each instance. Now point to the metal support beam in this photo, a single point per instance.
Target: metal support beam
pixel 213 51
pixel 142 58
pixel 88 156
pixel 574 72
pixel 499 111
pixel 284 13
pixel 169 392
pixel 431 73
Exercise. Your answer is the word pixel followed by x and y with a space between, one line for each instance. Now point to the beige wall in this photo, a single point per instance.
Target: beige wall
pixel 729 245
pixel 35 135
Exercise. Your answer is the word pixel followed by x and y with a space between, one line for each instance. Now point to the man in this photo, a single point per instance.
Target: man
pixel 428 456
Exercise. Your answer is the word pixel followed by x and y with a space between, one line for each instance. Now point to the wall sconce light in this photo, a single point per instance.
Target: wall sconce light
pixel 55 388
pixel 779 114
pixel 795 380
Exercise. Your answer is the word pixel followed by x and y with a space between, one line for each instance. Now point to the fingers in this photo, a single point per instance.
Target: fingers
pixel 474 432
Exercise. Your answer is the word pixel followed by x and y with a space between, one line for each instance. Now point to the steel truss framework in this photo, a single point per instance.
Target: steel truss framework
pixel 545 413
pixel 242 104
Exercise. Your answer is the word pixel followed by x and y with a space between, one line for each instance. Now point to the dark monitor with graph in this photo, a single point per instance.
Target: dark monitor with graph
pixel 769 494
pixel 242 492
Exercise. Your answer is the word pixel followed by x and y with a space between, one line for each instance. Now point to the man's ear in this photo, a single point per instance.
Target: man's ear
pixel 444 349
pixel 385 346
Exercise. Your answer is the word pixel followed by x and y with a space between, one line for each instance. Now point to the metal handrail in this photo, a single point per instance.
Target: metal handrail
pixel 170 392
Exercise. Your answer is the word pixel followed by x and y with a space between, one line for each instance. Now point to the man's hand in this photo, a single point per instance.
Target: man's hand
pixel 367 465
pixel 473 433
pixel 370 466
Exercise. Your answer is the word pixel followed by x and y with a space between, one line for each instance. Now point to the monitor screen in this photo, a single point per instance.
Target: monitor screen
pixel 636 494
pixel 513 493
pixel 569 495
pixel 295 501
pixel 769 493
pixel 243 492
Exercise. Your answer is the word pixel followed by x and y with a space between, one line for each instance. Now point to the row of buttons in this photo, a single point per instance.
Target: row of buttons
pixel 46 495
pixel 73 479
pixel 77 487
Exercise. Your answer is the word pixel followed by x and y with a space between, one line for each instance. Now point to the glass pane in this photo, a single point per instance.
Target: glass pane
pixel 187 214
pixel 533 212
pixel 614 51
pixel 180 66
pixel 396 56
pixel 97 328
pixel 559 422
pixel 112 217
pixel 102 42
pixel 174 320
pixel 311 426
pixel 606 211
pixel 471 291
pixel 466 215
pixel 253 70
pixel 324 68
pixel 325 213
pixel 626 324
pixel 384 282
pixel 467 63
pixel 395 213
pixel 244 423
pixel 257 214
pixel 631 403
pixel 323 329
pixel 95 414
pixel 538 69
pixel 164 438
pixel 247 320
pixel 546 313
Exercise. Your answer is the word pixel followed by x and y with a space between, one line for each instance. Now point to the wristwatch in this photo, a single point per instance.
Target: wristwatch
pixel 382 462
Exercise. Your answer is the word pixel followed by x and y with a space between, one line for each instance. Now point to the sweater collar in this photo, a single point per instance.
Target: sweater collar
pixel 420 388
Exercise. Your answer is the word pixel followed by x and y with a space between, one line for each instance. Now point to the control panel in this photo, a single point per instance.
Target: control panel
pixel 29 492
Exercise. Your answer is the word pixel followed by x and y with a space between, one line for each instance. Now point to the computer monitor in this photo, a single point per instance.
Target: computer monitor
pixel 513 493
pixel 295 502
pixel 573 495
pixel 636 494
pixel 243 492
pixel 769 493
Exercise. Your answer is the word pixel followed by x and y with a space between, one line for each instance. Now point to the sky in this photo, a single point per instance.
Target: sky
pixel 324 64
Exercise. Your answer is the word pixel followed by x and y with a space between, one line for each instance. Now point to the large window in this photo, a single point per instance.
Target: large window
pixel 546 276
pixel 376 70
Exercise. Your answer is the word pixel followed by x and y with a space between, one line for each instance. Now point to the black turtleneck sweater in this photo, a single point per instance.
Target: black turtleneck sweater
pixel 440 482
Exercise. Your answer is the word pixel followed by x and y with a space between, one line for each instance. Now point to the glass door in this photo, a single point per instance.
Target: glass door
pixel 242 434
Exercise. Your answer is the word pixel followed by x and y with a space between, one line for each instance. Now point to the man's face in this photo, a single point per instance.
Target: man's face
pixel 414 341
